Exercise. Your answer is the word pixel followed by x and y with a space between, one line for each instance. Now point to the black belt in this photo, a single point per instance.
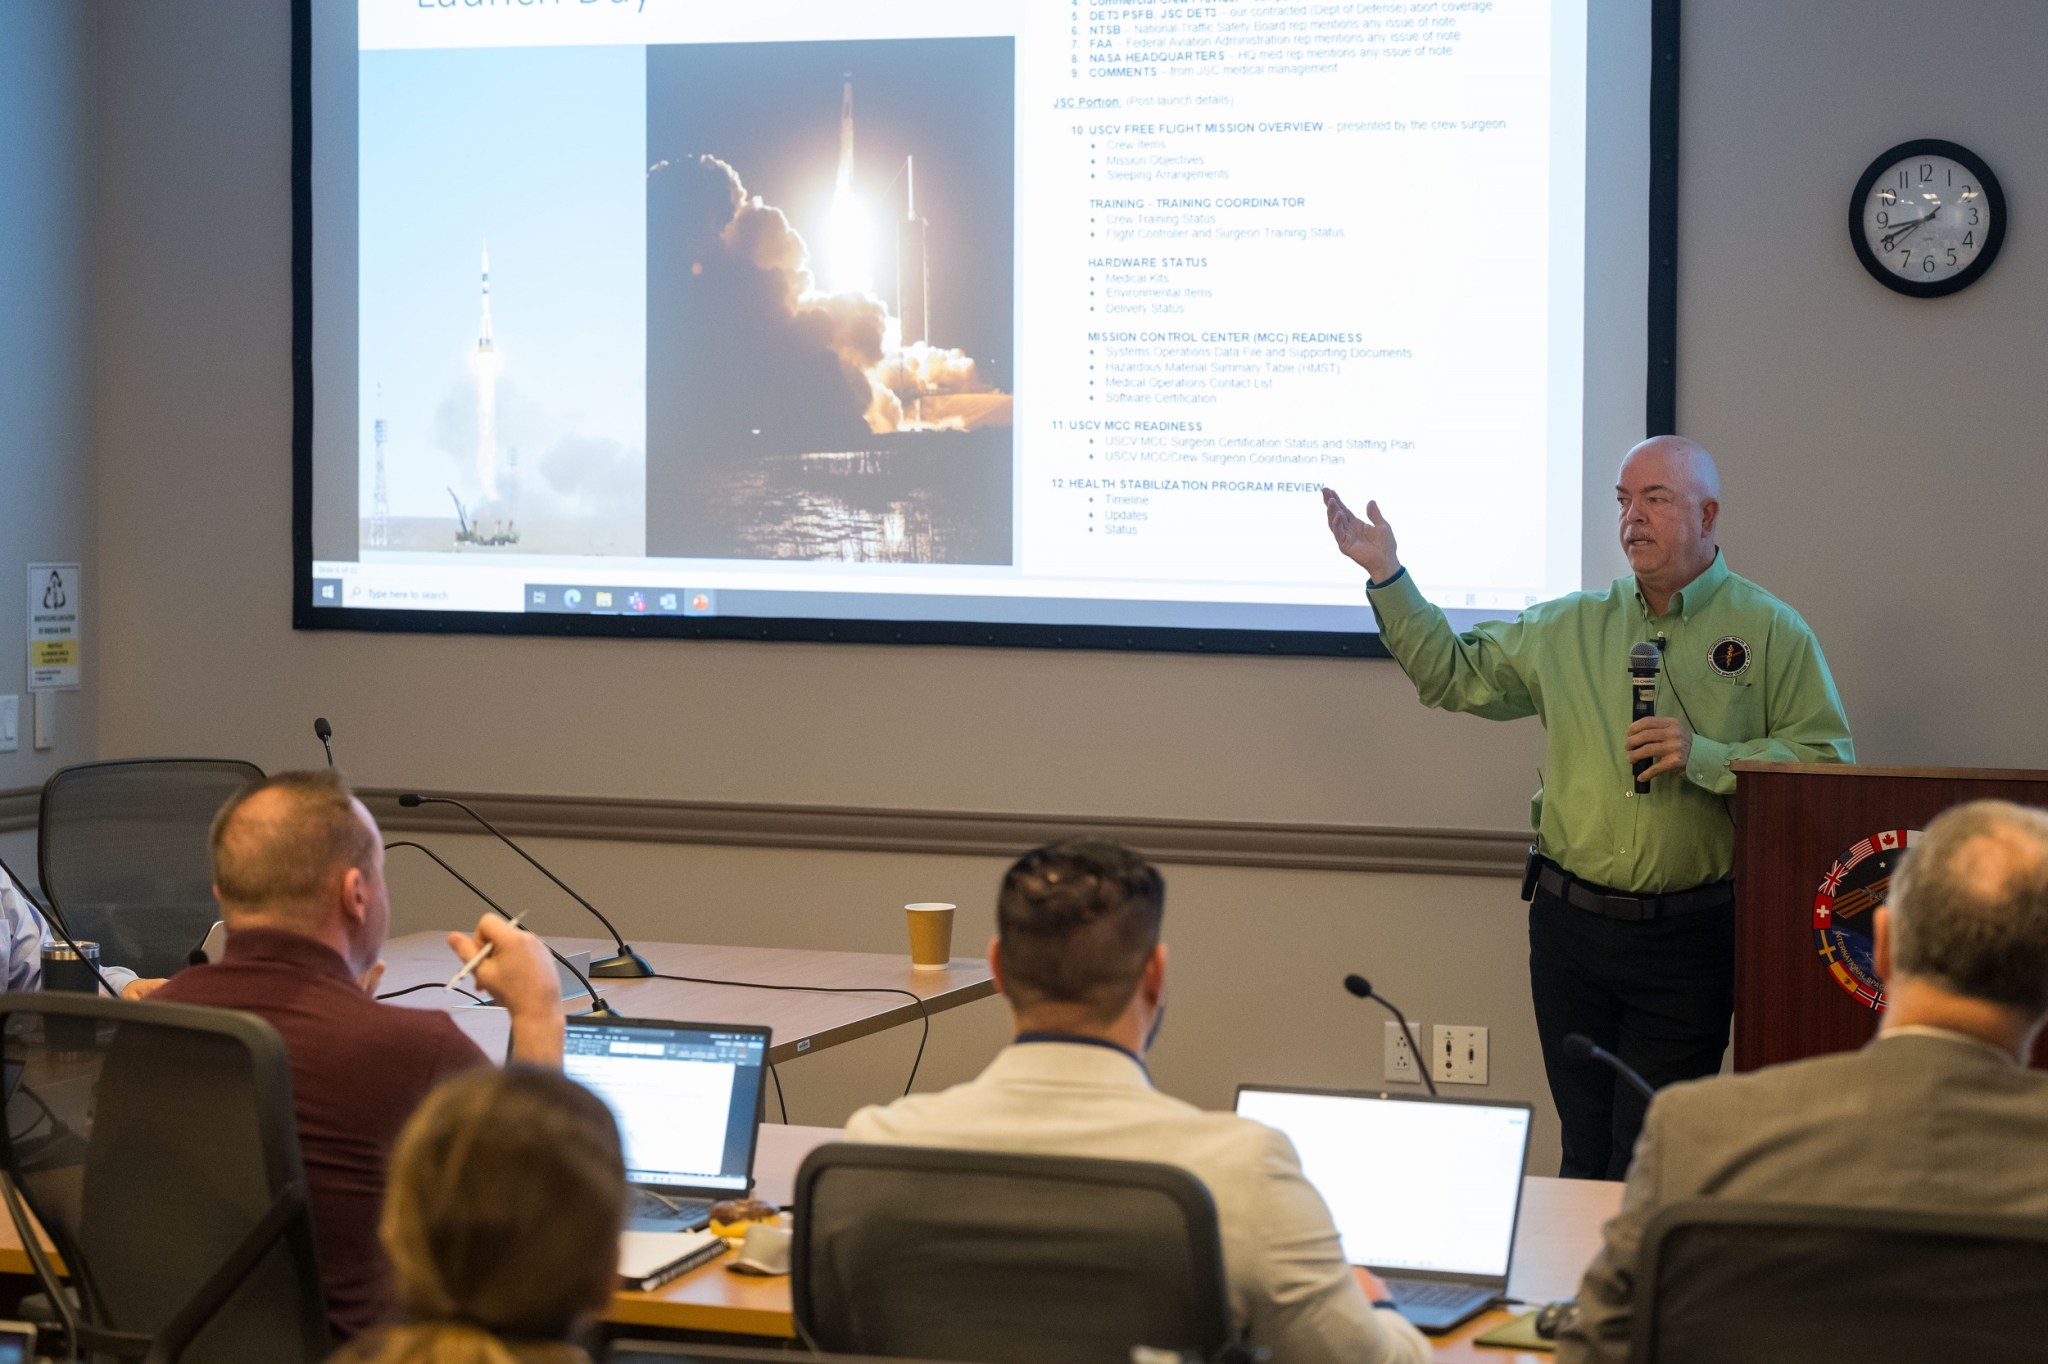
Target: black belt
pixel 1613 904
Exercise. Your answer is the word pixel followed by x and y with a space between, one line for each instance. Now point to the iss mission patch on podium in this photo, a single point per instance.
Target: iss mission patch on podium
pixel 1844 906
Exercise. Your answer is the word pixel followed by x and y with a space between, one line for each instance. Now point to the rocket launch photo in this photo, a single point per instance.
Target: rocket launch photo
pixel 831 298
pixel 503 410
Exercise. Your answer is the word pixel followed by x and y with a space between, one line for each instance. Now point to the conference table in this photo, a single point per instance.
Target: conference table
pixel 810 999
pixel 1556 1237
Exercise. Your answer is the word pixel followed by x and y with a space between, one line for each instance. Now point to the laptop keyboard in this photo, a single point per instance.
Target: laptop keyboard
pixel 686 1212
pixel 1424 1293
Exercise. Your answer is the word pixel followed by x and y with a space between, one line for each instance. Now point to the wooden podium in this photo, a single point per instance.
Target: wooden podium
pixel 1792 822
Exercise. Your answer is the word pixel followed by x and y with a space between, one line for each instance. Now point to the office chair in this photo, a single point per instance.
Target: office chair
pixel 1004 1259
pixel 1775 1283
pixel 155 1144
pixel 123 857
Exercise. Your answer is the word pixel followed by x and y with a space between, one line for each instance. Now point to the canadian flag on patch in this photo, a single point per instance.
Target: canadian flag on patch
pixel 1889 839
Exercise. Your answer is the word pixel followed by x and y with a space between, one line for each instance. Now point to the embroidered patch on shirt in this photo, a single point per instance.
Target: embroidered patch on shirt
pixel 1730 656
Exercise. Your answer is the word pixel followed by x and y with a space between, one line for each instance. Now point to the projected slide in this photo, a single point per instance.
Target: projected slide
pixel 1020 314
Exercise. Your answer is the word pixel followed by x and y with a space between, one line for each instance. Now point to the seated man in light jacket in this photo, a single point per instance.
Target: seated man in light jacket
pixel 1079 959
pixel 1937 1113
pixel 22 934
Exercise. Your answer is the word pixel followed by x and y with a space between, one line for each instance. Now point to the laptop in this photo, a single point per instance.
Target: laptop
pixel 1425 1192
pixel 687 1098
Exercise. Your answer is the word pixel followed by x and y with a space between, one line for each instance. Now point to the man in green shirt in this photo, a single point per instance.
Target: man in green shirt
pixel 1631 917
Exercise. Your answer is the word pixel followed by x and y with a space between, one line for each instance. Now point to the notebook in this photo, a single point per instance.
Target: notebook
pixel 687 1098
pixel 1425 1192
pixel 649 1259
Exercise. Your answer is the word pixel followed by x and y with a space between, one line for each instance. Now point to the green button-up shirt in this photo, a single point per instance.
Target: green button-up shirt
pixel 1741 670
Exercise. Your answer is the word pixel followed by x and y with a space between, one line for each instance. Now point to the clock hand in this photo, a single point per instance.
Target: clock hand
pixel 1899 233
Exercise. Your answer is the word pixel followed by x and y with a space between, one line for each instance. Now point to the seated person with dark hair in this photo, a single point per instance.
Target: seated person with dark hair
pixel 1938 1113
pixel 299 872
pixel 502 1220
pixel 1079 959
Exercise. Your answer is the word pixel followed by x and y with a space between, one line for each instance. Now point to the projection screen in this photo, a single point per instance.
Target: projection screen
pixel 1010 322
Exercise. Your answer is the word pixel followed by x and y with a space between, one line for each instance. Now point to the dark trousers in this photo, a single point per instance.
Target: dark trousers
pixel 1657 993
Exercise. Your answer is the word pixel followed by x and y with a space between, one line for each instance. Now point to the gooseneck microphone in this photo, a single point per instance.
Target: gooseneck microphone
pixel 1643 662
pixel 597 1003
pixel 626 964
pixel 324 732
pixel 1580 1047
pixel 1360 986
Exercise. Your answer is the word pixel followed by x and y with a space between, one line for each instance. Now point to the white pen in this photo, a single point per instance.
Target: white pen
pixel 477 960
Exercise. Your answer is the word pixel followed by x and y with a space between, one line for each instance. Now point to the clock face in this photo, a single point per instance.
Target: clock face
pixel 1927 218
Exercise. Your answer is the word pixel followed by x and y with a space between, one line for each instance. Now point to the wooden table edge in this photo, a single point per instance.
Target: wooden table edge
pixel 881 1022
pixel 651 1309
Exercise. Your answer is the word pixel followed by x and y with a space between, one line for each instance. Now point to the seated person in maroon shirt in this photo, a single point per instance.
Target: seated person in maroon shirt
pixel 298 868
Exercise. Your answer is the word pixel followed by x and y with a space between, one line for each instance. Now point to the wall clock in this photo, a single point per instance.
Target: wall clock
pixel 1927 218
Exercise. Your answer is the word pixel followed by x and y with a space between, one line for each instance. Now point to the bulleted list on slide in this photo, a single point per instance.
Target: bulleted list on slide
pixel 1294 244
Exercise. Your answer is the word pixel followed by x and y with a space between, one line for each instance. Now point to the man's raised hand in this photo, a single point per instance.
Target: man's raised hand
pixel 1368 543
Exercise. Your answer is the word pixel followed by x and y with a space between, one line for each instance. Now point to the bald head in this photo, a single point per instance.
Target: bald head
pixel 1669 494
pixel 1969 909
pixel 282 847
pixel 1679 463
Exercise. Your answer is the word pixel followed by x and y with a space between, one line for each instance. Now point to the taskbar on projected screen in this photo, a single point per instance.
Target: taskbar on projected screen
pixel 611 600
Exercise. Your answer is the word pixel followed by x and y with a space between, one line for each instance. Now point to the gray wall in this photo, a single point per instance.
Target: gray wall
pixel 1882 455
pixel 46 236
pixel 1881 471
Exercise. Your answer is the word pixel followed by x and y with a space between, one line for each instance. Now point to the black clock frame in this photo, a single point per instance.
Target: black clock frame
pixel 1994 236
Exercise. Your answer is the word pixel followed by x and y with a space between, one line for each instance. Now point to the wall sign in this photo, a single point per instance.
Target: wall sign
pixel 55 646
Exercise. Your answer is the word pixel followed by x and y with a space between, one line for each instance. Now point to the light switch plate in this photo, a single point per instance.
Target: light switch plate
pixel 10 723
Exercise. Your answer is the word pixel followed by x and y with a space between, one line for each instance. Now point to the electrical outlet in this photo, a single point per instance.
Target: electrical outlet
pixel 10 724
pixel 1400 1063
pixel 1458 1054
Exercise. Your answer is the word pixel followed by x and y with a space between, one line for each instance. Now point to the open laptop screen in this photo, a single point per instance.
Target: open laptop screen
pixel 1412 1184
pixel 686 1096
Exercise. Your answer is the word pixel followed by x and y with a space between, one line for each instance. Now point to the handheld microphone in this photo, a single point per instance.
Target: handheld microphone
pixel 1580 1047
pixel 324 732
pixel 597 1003
pixel 1643 662
pixel 1360 986
pixel 626 964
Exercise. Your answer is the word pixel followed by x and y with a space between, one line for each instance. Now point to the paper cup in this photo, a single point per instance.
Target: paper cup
pixel 931 934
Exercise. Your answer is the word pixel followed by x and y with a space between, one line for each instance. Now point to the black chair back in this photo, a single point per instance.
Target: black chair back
pixel 1775 1283
pixel 122 853
pixel 1004 1259
pixel 155 1144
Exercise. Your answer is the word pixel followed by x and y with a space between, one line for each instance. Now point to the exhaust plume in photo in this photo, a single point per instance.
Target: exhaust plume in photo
pixel 830 301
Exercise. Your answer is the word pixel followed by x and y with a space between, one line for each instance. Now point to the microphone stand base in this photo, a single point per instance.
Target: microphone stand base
pixel 625 965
